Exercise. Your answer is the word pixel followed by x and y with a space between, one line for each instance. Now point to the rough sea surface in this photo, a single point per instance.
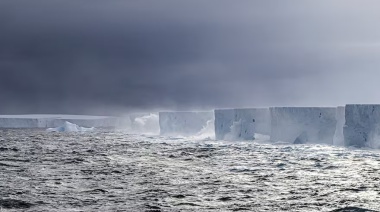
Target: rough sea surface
pixel 110 171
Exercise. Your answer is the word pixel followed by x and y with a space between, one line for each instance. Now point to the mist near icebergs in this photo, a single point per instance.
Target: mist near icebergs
pixel 146 124
pixel 70 127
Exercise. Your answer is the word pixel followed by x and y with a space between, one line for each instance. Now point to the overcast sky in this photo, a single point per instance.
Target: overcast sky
pixel 96 56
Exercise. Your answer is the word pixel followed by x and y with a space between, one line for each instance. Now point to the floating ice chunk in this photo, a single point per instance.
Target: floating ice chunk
pixel 70 127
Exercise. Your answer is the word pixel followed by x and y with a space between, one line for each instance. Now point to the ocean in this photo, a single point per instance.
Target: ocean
pixel 116 171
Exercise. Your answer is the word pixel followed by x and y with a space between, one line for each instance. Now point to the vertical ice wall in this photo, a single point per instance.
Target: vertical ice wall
pixel 183 123
pixel 340 118
pixel 303 124
pixel 262 120
pixel 224 119
pixel 19 123
pixel 244 125
pixel 241 124
pixel 362 128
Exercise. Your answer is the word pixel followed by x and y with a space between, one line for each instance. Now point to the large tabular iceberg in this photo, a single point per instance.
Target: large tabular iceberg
pixel 362 128
pixel 303 124
pixel 24 122
pixel 183 123
pixel 51 120
pixel 241 124
pixel 70 127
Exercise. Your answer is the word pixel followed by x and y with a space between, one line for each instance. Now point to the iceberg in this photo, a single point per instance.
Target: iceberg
pixel 340 118
pixel 52 120
pixel 303 124
pixel 241 124
pixel 20 122
pixel 224 121
pixel 362 128
pixel 183 123
pixel 70 127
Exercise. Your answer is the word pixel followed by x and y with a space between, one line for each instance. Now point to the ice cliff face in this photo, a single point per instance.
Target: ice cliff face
pixel 21 123
pixel 241 124
pixel 303 124
pixel 262 120
pixel 183 123
pixel 340 118
pixel 362 128
pixel 224 120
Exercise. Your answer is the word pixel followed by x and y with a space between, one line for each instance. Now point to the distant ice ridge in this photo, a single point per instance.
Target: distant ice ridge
pixel 241 124
pixel 55 120
pixel 303 124
pixel 70 127
pixel 362 128
pixel 24 122
pixel 184 123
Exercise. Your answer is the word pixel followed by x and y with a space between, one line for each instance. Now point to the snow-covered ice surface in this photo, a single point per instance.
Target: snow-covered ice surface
pixel 108 171
pixel 70 127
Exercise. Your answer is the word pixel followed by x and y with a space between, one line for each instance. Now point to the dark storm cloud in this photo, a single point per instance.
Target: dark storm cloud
pixel 75 56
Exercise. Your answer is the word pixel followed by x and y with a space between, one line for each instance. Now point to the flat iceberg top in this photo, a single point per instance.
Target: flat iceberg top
pixel 187 112
pixel 55 116
pixel 304 108
pixel 363 105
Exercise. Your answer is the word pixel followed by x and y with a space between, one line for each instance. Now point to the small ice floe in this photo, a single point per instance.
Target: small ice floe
pixel 70 127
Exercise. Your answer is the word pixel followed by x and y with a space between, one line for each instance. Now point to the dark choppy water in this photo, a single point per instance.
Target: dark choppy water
pixel 103 171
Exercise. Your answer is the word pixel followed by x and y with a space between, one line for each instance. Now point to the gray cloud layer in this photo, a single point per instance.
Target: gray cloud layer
pixel 85 56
